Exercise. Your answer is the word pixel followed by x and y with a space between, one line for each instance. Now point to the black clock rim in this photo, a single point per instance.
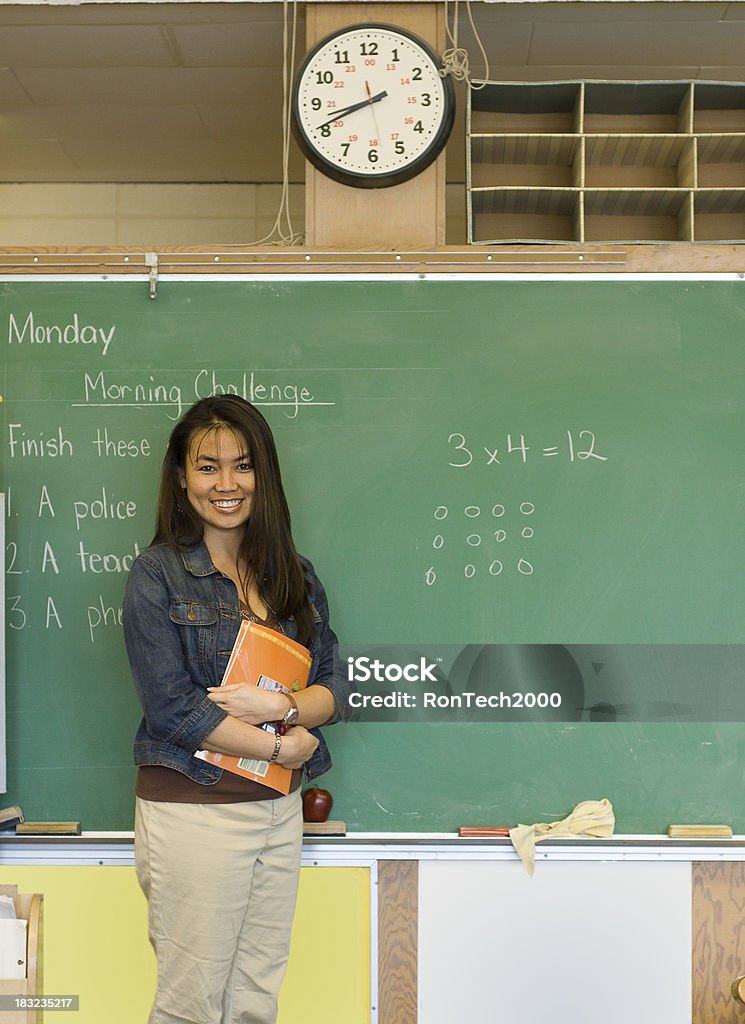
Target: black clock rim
pixel 352 178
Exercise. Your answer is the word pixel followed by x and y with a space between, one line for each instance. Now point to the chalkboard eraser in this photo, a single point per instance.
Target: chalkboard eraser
pixel 10 817
pixel 699 831
pixel 483 831
pixel 324 828
pixel 48 828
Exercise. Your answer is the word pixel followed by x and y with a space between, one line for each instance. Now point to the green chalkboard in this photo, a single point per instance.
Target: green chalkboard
pixel 523 462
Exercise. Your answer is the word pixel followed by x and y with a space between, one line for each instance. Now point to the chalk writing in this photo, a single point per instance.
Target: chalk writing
pixel 120 448
pixel 45 503
pixel 11 556
pixel 37 446
pixel 72 333
pixel 101 391
pixel 105 507
pixel 102 614
pixel 16 617
pixel 52 615
pixel 580 446
pixel 293 396
pixel 477 549
pixel 49 559
pixel 92 561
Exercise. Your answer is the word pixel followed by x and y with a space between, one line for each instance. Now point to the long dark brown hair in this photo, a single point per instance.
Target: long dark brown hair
pixel 267 548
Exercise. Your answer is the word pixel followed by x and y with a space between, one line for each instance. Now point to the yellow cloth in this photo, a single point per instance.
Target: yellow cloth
pixel 589 818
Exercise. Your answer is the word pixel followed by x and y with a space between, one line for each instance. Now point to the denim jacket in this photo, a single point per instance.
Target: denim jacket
pixel 181 618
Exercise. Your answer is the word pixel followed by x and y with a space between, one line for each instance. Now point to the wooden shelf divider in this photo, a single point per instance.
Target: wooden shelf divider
pixel 635 162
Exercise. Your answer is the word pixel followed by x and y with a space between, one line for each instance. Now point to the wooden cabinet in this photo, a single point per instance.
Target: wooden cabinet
pixel 606 162
pixel 29 908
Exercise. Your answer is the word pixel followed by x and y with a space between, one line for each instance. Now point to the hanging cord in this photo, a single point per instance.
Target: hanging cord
pixel 455 58
pixel 282 232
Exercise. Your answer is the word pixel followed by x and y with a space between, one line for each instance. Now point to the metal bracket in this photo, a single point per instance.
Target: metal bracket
pixel 151 261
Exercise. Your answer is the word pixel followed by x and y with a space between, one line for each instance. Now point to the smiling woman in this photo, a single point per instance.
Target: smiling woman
pixel 217 854
pixel 219 481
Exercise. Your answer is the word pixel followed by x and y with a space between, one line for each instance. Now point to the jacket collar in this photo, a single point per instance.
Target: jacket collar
pixel 197 560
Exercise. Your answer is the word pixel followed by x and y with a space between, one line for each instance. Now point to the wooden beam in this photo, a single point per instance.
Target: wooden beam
pixel 474 259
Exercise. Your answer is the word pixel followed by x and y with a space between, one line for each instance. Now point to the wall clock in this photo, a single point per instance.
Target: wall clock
pixel 370 107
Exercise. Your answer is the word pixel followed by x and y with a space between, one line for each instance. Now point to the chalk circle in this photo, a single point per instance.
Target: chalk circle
pixel 528 532
pixel 500 535
pixel 473 539
pixel 498 511
pixel 525 567
pixel 527 508
pixel 441 512
pixel 470 571
pixel 496 567
pixel 438 542
pixel 472 511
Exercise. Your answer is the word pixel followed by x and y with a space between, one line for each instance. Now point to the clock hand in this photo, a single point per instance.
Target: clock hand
pixel 355 106
pixel 372 110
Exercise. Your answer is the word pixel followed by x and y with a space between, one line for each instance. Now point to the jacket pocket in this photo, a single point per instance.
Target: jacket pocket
pixel 192 613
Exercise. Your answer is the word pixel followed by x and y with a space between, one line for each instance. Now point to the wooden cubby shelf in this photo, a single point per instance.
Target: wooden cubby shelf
pixel 606 162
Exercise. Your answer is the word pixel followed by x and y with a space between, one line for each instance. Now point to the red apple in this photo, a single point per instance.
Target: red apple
pixel 316 804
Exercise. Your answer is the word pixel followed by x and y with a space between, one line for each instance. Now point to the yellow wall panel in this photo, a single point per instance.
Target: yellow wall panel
pixel 95 940
pixel 328 978
pixel 96 945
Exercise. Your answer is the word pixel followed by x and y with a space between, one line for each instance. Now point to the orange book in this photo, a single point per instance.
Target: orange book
pixel 266 658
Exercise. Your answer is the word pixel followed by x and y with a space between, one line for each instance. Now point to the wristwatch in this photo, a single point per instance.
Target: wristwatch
pixel 291 715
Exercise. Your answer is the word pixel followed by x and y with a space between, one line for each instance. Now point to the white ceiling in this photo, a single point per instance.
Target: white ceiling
pixel 173 92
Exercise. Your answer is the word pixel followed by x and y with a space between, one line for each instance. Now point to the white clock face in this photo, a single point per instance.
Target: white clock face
pixel 370 106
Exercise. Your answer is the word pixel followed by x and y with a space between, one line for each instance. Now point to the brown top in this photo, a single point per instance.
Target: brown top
pixel 156 782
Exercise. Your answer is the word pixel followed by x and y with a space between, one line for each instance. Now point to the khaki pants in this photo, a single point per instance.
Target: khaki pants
pixel 221 884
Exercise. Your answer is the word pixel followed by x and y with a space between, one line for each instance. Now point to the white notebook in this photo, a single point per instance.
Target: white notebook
pixel 7 908
pixel 12 948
